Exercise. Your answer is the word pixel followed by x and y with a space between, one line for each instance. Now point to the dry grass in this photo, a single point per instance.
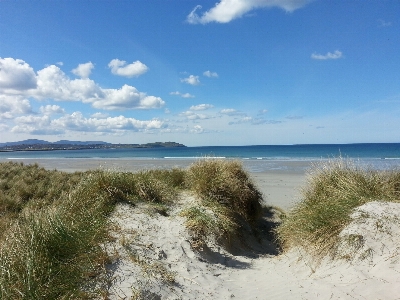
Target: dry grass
pixel 333 190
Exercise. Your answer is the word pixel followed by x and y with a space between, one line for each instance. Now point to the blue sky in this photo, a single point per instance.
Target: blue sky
pixel 231 72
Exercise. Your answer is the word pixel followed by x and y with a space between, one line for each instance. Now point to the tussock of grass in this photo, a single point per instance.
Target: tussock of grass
pixel 49 253
pixel 227 183
pixel 333 190
pixel 228 200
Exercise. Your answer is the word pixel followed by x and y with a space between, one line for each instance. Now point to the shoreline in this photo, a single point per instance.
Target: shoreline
pixel 279 181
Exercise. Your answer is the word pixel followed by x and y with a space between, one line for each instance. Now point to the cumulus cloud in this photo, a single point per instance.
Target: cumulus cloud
pixel 120 68
pixel 201 107
pixel 12 106
pixel 191 115
pixel 16 74
pixel 210 74
pixel 83 70
pixel 76 122
pixel 197 129
pixel 192 80
pixel 52 83
pixel 127 97
pixel 99 115
pixel 185 95
pixel 227 10
pixel 335 55
pixel 51 109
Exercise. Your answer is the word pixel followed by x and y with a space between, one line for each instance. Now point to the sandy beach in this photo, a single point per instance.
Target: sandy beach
pixel 256 271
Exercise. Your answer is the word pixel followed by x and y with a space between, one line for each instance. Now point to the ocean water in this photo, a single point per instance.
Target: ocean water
pixel 261 157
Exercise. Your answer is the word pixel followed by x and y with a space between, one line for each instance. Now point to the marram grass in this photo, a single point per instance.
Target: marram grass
pixel 331 193
pixel 228 201
pixel 53 223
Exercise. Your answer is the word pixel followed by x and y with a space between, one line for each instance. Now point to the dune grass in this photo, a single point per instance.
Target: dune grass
pixel 333 190
pixel 53 223
pixel 229 200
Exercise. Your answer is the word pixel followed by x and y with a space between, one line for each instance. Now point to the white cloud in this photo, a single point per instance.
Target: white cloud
pixel 76 122
pixel 201 107
pixel 51 109
pixel 12 106
pixel 228 10
pixel 193 80
pixel 190 115
pixel 120 68
pixel 231 112
pixel 197 129
pixel 99 115
pixel 83 70
pixel 54 84
pixel 185 95
pixel 127 97
pixel 18 82
pixel 335 55
pixel 210 74
pixel 16 74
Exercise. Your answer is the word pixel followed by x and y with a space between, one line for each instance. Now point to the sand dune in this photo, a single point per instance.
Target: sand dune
pixel 153 259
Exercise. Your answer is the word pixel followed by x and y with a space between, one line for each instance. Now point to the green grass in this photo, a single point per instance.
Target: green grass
pixel 52 225
pixel 229 200
pixel 332 192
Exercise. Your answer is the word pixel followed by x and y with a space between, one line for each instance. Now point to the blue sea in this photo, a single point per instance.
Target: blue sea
pixel 376 155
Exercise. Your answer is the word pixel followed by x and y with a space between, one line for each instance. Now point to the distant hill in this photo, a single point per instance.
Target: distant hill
pixel 42 142
pixel 40 145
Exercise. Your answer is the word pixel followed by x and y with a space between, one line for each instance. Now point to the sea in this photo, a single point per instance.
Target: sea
pixel 258 157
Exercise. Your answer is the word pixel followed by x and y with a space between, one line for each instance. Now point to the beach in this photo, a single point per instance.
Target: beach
pixel 256 271
pixel 278 181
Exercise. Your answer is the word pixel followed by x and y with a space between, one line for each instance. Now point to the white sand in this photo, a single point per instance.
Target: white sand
pixel 164 242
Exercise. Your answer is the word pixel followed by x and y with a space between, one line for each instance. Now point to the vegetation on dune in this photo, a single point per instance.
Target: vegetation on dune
pixel 53 224
pixel 332 192
pixel 229 200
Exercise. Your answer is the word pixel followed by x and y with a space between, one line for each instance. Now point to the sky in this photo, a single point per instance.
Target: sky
pixel 201 73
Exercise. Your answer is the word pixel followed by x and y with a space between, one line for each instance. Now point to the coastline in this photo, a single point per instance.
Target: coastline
pixel 278 180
